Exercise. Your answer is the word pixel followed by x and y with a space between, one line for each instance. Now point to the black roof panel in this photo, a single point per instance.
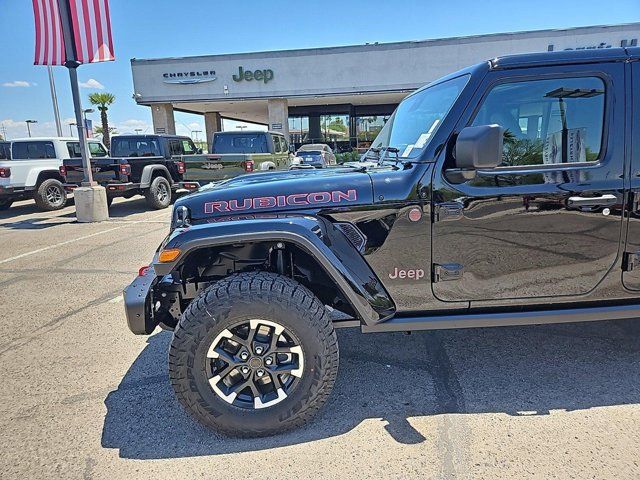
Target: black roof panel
pixel 562 57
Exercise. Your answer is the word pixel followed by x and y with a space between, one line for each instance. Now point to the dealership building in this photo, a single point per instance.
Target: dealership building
pixel 336 95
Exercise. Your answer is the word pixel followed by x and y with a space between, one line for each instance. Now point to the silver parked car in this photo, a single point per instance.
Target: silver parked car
pixel 314 155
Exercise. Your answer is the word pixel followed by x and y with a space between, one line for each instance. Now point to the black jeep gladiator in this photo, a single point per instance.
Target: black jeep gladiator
pixel 149 165
pixel 503 194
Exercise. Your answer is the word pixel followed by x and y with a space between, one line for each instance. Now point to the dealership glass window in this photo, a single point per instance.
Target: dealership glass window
pixel 33 150
pixel 299 129
pixel 547 121
pixel 334 128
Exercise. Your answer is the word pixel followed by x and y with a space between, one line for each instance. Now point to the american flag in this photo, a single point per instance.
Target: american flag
pixel 91 31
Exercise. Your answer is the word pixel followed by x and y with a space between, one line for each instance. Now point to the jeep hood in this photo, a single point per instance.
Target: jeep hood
pixel 280 191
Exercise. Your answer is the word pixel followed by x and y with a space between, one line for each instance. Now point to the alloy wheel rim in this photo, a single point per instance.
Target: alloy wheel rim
pixel 54 196
pixel 254 364
pixel 162 192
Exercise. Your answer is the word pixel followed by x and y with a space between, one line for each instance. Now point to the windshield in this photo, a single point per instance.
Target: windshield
pixel 135 147
pixel 240 143
pixel 418 117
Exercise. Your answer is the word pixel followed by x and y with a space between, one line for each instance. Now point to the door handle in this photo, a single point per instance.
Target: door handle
pixel 601 201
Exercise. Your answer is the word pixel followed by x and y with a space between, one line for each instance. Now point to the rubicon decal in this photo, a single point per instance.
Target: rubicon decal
pixel 294 200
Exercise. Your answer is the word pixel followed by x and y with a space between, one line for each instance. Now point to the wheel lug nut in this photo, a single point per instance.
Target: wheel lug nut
pixel 260 373
pixel 268 361
pixel 244 355
pixel 259 350
pixel 244 370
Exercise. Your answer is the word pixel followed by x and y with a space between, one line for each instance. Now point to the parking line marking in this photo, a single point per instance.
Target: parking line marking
pixel 56 245
pixel 67 242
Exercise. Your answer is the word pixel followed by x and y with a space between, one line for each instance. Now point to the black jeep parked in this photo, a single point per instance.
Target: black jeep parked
pixel 503 194
pixel 149 165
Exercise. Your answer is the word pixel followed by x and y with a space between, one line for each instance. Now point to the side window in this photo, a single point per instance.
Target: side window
pixel 188 147
pixel 547 121
pixel 285 145
pixel 277 148
pixel 175 147
pixel 74 149
pixel 33 150
pixel 97 150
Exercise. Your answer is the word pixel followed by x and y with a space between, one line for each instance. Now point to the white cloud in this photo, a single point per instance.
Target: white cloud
pixel 18 83
pixel 92 83
pixel 131 125
pixel 18 129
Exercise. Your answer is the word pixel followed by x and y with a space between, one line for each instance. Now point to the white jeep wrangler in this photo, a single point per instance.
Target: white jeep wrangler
pixel 33 170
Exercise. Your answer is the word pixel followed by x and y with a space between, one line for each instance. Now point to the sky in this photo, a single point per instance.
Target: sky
pixel 176 28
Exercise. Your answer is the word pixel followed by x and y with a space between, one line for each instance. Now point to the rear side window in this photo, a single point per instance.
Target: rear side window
pixel 188 147
pixel 240 143
pixel 97 150
pixel 175 147
pixel 277 145
pixel 547 122
pixel 134 147
pixel 33 150
pixel 5 151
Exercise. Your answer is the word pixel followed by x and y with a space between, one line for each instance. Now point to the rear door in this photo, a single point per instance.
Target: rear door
pixel 547 222
pixel 631 263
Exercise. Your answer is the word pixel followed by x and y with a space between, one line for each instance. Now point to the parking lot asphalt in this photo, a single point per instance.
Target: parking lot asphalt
pixel 82 397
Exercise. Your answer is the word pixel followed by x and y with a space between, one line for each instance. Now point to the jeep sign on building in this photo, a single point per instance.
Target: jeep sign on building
pixel 338 95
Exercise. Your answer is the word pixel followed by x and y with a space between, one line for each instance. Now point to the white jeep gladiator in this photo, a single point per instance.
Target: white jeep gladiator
pixel 32 171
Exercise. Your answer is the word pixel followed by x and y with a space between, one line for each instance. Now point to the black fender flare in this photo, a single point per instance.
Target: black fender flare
pixel 147 173
pixel 317 236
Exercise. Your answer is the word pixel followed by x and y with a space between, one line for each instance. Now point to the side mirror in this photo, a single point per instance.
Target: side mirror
pixel 476 148
pixel 199 151
pixel 479 147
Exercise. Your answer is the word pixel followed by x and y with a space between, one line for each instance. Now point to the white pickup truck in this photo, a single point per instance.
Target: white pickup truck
pixel 33 170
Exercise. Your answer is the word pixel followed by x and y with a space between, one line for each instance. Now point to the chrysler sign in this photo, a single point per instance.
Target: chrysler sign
pixel 189 78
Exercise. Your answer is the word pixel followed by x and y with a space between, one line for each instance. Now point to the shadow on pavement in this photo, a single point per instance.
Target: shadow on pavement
pixel 513 370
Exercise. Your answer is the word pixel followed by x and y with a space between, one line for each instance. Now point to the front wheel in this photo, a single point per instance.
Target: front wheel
pixel 50 195
pixel 254 354
pixel 158 195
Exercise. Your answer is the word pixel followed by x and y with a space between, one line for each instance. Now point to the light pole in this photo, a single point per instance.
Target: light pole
pixel 28 127
pixel 195 133
pixel 71 125
pixel 84 117
pixel 138 130
pixel 241 127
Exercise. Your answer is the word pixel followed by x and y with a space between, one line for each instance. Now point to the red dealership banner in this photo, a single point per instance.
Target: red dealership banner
pixel 91 25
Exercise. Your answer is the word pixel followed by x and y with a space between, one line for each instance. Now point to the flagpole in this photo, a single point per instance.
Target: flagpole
pixel 54 100
pixel 72 64
pixel 90 198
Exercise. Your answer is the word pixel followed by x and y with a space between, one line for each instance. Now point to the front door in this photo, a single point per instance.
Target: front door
pixel 546 222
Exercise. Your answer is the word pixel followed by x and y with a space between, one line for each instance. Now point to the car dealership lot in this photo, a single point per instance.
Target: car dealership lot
pixel 83 397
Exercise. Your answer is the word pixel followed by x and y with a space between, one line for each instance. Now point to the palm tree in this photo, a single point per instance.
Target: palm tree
pixel 102 101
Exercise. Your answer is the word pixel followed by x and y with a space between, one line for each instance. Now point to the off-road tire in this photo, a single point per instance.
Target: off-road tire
pixel 257 295
pixel 44 199
pixel 154 196
pixel 5 204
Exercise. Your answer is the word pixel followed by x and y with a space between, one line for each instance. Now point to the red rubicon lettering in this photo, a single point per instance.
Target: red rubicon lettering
pixel 294 200
pixel 211 207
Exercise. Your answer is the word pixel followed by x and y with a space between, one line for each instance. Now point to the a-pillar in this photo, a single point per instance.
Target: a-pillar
pixel 212 124
pixel 163 121
pixel 279 116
